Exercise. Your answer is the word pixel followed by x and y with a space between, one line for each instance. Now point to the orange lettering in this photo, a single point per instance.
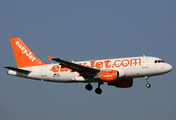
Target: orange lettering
pixel 125 65
pixel 135 61
pixel 55 68
pixel 116 62
pixel 99 65
pixel 85 64
pixel 92 63
pixel 107 63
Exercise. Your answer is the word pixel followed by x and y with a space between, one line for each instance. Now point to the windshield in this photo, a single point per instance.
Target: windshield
pixel 159 61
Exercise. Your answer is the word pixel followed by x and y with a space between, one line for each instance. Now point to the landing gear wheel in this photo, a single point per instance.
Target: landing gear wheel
pixel 148 85
pixel 89 87
pixel 98 90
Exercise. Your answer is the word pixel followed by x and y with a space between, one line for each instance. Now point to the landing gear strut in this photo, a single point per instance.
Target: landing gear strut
pixel 98 90
pixel 148 84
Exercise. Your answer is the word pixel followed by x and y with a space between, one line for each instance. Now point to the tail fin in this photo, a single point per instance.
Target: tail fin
pixel 23 55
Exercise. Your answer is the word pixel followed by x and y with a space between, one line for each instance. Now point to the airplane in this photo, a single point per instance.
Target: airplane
pixel 118 72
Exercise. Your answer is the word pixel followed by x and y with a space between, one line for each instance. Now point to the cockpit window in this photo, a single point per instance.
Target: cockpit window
pixel 159 61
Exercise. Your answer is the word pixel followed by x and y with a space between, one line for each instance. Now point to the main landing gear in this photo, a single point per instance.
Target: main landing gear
pixel 148 85
pixel 97 90
pixel 89 87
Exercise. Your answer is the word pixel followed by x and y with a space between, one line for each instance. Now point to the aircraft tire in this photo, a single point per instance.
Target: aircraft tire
pixel 148 85
pixel 89 87
pixel 98 90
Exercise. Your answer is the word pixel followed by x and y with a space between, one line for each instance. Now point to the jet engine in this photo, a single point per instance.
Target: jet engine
pixel 110 76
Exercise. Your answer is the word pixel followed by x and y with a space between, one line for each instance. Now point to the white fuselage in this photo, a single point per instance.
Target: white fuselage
pixel 132 67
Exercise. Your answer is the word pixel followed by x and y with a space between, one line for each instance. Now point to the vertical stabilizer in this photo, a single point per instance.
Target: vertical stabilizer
pixel 23 55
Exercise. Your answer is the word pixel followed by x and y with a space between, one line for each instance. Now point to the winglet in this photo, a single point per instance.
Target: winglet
pixel 49 58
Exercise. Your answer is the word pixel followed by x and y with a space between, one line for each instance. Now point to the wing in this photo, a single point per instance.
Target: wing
pixel 81 69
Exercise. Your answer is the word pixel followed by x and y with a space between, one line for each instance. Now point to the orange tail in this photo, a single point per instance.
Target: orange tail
pixel 23 55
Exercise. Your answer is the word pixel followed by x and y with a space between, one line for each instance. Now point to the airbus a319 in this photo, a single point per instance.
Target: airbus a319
pixel 118 72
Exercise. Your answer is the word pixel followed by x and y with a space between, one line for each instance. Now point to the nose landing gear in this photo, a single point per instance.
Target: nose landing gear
pixel 148 85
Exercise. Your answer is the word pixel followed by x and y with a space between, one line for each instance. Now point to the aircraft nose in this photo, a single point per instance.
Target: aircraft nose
pixel 169 67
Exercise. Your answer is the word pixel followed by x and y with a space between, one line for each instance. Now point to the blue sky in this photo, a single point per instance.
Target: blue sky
pixel 86 30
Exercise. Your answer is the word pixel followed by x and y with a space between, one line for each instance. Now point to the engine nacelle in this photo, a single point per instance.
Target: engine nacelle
pixel 124 83
pixel 109 76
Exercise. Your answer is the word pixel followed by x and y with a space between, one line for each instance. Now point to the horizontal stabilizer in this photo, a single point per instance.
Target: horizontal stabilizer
pixel 17 69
